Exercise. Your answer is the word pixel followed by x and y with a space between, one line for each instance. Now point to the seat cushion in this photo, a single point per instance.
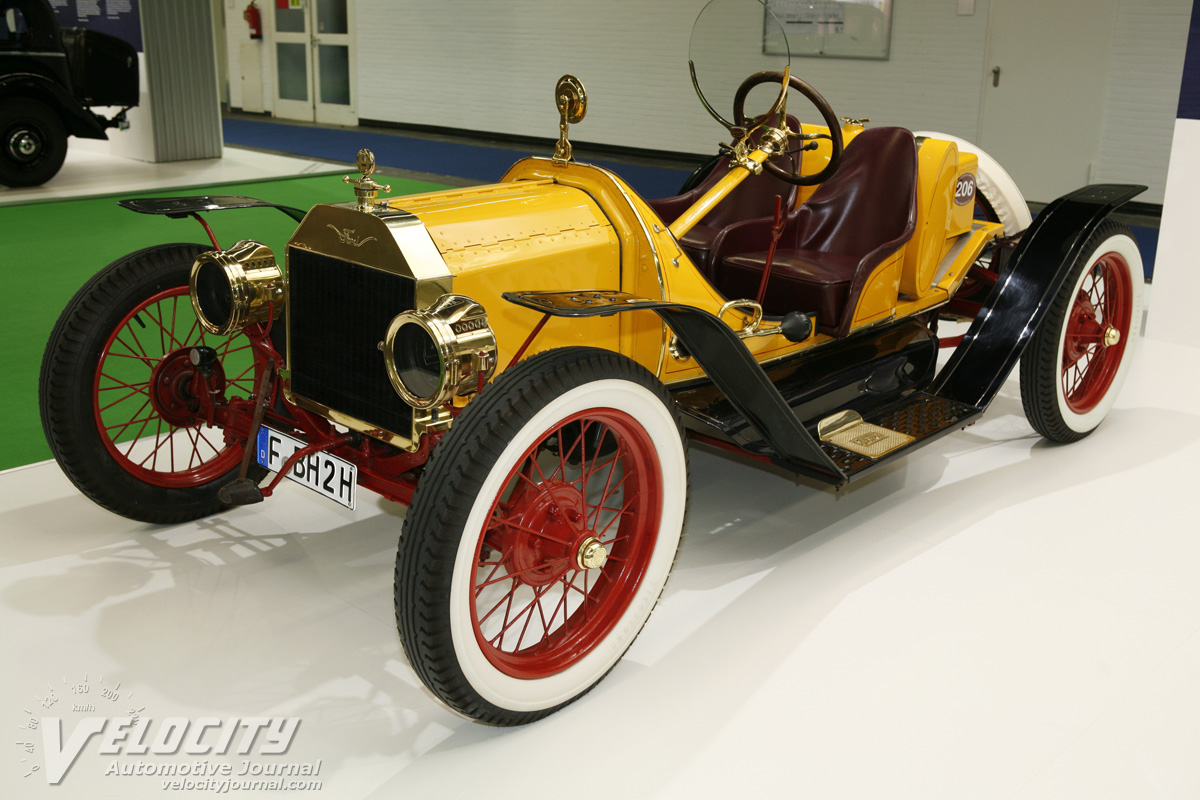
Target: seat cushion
pixel 801 280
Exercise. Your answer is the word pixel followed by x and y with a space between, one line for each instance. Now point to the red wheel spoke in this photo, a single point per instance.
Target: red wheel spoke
pixel 496 566
pixel 609 494
pixel 195 446
pixel 562 603
pixel 134 352
pixel 133 421
pixel 506 598
pixel 192 330
pixel 153 457
pixel 564 455
pixel 214 448
pixel 133 442
pixel 164 334
pixel 242 374
pixel 120 384
pixel 582 479
pixel 138 342
pixel 135 356
pixel 586 468
pixel 537 601
pixel 619 514
pixel 238 349
pixel 124 398
pixel 525 571
pixel 530 531
pixel 571 585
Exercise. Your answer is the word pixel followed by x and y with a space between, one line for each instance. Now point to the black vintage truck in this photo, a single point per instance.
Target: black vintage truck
pixel 50 79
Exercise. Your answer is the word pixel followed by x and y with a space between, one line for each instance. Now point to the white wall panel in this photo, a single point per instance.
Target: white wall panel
pixel 1145 68
pixel 492 66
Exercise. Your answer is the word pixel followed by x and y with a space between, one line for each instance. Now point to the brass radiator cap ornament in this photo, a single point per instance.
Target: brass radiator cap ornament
pixel 365 187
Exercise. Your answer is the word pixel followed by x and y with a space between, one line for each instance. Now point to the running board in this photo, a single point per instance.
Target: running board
pixel 857 447
pixel 858 444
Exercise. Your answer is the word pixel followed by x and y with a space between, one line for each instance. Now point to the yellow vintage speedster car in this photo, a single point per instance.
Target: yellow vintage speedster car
pixel 523 364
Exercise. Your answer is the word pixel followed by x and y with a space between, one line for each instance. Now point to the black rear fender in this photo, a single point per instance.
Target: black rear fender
pixel 1016 306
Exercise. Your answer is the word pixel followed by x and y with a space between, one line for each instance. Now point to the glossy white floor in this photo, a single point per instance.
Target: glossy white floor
pixel 90 170
pixel 992 618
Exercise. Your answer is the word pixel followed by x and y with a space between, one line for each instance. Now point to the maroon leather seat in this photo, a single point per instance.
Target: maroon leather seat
pixel 752 198
pixel 832 243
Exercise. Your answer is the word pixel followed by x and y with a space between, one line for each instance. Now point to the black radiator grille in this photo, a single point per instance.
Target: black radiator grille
pixel 339 312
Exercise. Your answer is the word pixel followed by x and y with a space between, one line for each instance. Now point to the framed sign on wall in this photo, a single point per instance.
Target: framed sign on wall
pixel 833 28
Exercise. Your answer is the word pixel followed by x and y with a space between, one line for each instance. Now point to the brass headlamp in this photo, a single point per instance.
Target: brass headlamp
pixel 435 354
pixel 236 287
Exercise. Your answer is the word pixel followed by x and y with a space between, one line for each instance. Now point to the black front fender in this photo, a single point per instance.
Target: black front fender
pixel 723 357
pixel 78 120
pixel 179 207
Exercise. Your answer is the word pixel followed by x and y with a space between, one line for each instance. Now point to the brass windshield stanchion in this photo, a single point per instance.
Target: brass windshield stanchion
pixel 571 99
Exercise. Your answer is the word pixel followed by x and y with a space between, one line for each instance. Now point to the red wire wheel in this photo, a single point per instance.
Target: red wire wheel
pixel 145 393
pixel 1080 354
pixel 1098 328
pixel 541 535
pixel 538 604
pixel 121 403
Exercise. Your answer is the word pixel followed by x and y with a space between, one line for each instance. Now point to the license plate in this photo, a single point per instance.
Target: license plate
pixel 327 475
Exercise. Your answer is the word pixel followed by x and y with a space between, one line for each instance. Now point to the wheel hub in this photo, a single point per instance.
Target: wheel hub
pixel 1112 336
pixel 24 144
pixel 545 538
pixel 1084 331
pixel 174 386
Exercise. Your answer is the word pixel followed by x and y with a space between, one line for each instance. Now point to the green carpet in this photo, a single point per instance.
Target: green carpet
pixel 51 249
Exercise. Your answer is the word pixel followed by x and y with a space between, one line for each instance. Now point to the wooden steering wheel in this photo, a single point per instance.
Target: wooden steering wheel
pixel 831 120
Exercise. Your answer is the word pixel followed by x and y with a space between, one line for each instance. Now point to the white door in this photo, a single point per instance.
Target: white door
pixel 1043 92
pixel 314 61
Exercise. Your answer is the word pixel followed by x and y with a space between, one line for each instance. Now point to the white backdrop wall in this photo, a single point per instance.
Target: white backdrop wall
pixel 492 66
pixel 1145 66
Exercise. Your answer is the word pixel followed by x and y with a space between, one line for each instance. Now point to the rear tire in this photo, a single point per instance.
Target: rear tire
pixel 33 143
pixel 1080 355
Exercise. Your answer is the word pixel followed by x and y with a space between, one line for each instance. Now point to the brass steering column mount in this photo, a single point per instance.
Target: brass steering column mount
pixel 365 187
pixel 571 100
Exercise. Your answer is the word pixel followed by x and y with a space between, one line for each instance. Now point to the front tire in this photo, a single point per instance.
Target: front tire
pixel 504 611
pixel 115 391
pixel 1080 355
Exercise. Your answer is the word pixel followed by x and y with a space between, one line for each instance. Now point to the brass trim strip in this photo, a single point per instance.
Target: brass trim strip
pixel 658 267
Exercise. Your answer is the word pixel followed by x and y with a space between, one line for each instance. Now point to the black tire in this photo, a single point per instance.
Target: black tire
pixel 462 537
pixel 89 383
pixel 33 142
pixel 1070 375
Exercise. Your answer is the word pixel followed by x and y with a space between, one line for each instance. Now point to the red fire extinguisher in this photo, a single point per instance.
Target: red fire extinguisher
pixel 253 18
